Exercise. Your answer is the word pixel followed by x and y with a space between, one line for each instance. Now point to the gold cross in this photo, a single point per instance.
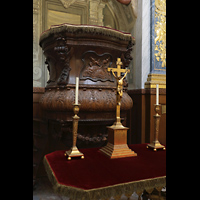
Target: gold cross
pixel 118 69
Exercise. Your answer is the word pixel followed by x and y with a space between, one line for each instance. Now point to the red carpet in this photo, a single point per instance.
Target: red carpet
pixel 97 170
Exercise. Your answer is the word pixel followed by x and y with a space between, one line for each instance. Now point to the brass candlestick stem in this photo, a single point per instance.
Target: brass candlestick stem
pixel 156 144
pixel 74 152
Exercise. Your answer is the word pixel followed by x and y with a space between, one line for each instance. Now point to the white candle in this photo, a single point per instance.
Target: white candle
pixel 76 94
pixel 157 94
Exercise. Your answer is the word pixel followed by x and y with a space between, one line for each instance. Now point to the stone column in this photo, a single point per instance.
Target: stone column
pixel 141 50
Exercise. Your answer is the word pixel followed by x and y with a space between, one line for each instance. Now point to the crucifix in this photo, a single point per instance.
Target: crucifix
pixel 118 69
pixel 119 87
pixel 117 134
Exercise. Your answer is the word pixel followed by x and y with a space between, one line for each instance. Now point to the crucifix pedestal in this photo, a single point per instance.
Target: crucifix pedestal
pixel 117 143
pixel 117 134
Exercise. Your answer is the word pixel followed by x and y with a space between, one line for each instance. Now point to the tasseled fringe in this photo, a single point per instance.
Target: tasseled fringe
pixel 104 192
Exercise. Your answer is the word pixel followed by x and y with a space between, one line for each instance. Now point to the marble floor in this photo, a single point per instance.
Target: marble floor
pixel 43 191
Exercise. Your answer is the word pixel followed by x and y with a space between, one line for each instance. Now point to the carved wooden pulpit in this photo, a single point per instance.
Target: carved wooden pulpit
pixel 84 51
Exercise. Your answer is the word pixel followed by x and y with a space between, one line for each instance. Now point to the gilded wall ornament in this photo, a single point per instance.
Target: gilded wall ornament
pixel 160 31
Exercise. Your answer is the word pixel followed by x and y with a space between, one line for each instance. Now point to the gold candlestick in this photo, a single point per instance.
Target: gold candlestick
pixel 156 144
pixel 74 152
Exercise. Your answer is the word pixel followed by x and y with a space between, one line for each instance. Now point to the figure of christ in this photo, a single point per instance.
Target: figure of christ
pixel 119 79
pixel 119 86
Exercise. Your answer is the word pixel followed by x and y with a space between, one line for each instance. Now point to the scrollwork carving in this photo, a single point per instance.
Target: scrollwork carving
pixel 126 57
pixel 64 54
pixel 63 79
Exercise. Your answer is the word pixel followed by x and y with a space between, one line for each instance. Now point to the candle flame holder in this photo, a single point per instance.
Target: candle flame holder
pixel 74 152
pixel 156 144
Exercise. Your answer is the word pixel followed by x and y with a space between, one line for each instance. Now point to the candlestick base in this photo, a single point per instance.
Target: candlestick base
pixel 156 145
pixel 73 152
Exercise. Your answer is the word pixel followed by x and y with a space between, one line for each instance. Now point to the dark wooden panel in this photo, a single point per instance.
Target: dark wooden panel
pixel 140 118
pixel 39 131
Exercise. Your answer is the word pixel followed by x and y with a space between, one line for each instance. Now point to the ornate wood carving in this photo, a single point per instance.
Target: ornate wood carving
pixel 63 53
pixel 90 100
pixel 85 51
pixel 95 67
pixel 126 57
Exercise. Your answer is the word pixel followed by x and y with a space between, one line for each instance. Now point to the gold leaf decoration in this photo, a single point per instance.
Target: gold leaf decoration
pixel 160 31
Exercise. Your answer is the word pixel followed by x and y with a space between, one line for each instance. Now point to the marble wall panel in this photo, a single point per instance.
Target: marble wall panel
pixel 145 68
